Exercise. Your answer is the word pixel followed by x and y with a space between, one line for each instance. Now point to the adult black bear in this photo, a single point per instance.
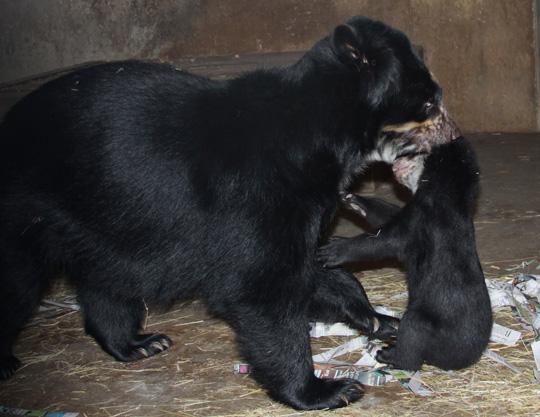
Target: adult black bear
pixel 448 319
pixel 146 184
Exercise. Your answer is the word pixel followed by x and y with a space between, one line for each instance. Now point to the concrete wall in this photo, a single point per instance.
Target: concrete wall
pixel 484 52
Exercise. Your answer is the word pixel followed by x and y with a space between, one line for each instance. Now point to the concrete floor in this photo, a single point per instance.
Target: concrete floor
pixel 65 370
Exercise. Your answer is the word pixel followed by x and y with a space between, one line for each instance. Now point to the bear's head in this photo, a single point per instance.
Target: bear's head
pixel 392 77
pixel 401 100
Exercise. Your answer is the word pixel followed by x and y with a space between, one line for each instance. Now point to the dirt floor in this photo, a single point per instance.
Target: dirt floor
pixel 64 370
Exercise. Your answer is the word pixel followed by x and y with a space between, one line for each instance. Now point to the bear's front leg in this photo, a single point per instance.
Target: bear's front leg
pixel 274 339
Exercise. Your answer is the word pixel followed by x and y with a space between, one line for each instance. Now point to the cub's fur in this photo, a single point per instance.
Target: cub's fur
pixel 448 319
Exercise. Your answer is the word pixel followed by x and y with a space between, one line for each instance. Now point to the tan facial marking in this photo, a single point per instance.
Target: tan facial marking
pixel 433 131
pixel 407 126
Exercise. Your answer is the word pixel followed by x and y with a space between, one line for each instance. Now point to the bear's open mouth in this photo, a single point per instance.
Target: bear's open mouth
pixel 434 131
pixel 406 146
pixel 414 139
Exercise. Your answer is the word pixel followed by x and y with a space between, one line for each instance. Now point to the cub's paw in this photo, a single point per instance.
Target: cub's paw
pixel 328 394
pixel 334 253
pixel 411 361
pixel 144 346
pixel 387 355
pixel 8 366
pixel 354 203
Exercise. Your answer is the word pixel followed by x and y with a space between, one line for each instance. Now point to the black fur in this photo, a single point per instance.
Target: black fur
pixel 146 184
pixel 448 319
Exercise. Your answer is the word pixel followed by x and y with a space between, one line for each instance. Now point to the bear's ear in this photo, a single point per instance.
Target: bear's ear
pixel 347 45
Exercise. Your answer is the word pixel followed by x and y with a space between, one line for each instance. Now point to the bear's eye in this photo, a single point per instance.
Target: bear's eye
pixel 373 62
pixel 428 105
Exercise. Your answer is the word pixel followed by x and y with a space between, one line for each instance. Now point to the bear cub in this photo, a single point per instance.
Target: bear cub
pixel 448 318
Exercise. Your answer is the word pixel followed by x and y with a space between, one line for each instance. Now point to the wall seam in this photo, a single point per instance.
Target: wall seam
pixel 536 53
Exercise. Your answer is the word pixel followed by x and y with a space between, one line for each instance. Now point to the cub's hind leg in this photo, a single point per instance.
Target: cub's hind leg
pixel 413 338
pixel 115 321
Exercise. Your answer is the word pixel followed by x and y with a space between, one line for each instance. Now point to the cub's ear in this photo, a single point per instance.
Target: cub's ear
pixel 347 45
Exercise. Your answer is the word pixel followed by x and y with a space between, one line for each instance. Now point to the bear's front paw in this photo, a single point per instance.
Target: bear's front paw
pixel 144 346
pixel 334 253
pixel 386 327
pixel 328 394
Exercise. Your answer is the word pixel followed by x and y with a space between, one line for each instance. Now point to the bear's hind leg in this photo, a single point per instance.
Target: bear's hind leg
pixel 22 282
pixel 115 322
